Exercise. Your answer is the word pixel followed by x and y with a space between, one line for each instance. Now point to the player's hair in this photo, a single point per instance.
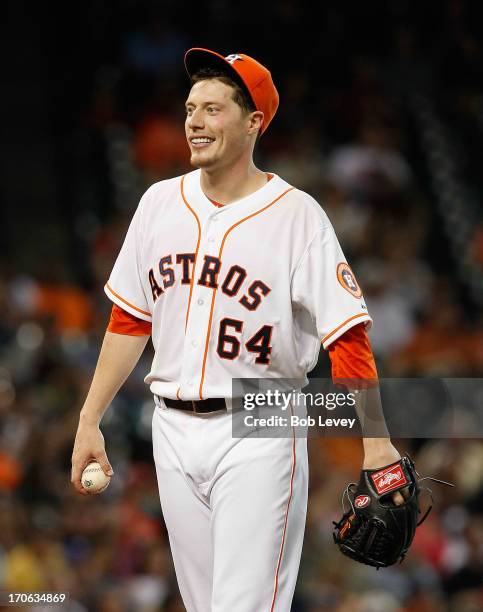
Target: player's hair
pixel 240 96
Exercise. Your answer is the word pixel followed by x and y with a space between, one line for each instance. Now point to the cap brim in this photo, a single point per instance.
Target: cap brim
pixel 197 58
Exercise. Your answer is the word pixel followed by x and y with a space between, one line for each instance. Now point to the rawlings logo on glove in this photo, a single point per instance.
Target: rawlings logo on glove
pixel 389 479
pixel 361 501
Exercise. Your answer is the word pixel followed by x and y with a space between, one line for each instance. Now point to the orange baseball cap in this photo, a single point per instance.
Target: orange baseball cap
pixel 254 78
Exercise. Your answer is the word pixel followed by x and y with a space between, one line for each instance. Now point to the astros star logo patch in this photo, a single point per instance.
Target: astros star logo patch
pixel 346 278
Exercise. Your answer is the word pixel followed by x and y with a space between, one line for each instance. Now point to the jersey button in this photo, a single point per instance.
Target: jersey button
pixel 194 344
pixel 200 302
pixel 211 239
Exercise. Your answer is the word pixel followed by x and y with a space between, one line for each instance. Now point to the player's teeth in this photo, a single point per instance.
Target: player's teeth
pixel 201 140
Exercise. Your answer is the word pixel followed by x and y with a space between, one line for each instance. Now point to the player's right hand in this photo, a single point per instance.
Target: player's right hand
pixel 88 446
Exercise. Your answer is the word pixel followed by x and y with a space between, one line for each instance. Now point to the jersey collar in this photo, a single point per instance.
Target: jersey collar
pixel 251 203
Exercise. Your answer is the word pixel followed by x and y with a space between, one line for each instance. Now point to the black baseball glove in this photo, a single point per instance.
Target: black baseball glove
pixel 374 530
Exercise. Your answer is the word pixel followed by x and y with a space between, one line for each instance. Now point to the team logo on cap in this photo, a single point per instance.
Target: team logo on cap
pixel 231 59
pixel 346 278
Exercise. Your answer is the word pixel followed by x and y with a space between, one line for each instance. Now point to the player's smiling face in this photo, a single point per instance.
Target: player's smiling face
pixel 217 129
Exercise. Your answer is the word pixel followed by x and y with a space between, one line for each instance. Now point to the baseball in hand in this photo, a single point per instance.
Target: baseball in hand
pixel 93 478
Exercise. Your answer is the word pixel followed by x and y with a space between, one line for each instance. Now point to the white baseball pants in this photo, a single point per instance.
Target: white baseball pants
pixel 234 509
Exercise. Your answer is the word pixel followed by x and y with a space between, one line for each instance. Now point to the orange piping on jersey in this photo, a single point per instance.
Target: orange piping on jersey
pixel 250 216
pixel 126 302
pixel 362 314
pixel 215 290
pixel 196 253
pixel 294 463
pixel 194 263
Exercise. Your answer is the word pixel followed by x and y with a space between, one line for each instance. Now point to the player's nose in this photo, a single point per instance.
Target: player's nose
pixel 195 119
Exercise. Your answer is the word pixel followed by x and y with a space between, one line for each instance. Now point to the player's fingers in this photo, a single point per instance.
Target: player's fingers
pixel 104 463
pixel 397 498
pixel 80 460
pixel 76 480
pixel 405 493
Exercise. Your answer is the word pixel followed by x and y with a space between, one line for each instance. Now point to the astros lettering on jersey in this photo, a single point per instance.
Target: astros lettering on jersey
pixel 247 290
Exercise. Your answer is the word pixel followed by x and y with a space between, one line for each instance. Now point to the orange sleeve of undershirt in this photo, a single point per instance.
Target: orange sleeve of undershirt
pixel 122 322
pixel 352 359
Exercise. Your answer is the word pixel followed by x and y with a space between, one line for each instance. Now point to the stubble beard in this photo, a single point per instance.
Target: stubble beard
pixel 200 161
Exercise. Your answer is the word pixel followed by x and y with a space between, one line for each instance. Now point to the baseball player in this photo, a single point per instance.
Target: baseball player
pixel 233 273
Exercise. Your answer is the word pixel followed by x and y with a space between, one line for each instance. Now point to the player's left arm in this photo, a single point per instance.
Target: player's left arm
pixel 354 367
pixel 325 286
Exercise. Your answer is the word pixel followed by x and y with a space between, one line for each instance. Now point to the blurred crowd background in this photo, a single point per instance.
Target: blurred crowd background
pixel 381 120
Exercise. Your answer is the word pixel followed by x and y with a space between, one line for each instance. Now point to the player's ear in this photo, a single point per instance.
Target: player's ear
pixel 255 121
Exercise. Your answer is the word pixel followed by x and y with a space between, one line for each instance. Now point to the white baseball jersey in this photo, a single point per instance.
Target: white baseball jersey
pixel 247 290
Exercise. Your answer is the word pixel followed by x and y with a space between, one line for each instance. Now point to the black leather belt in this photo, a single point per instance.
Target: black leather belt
pixel 198 406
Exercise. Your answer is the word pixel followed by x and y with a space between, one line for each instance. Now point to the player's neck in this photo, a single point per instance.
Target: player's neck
pixel 229 185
